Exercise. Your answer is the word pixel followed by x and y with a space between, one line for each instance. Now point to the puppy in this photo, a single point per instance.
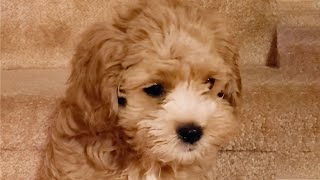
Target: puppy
pixel 151 96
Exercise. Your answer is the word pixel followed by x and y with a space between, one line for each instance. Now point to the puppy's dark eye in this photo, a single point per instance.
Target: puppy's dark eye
pixel 122 101
pixel 211 82
pixel 221 94
pixel 155 90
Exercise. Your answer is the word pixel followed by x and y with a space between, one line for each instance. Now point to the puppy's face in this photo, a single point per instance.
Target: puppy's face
pixel 176 108
pixel 174 72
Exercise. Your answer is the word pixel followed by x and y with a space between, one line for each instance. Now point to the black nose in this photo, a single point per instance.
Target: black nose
pixel 189 133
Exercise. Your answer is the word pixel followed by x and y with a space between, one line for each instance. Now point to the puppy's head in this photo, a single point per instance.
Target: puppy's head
pixel 167 77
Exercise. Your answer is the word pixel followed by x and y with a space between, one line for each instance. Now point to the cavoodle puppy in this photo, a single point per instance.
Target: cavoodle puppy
pixel 151 96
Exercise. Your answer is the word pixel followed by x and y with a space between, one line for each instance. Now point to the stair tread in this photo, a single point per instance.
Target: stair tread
pixel 47 41
pixel 297 6
pixel 264 165
pixel 52 82
pixel 21 164
pixel 298 49
pixel 282 119
pixel 276 127
pixel 275 113
pixel 43 82
pixel 303 13
pixel 26 164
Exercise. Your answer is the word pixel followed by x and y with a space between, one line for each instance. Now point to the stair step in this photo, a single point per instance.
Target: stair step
pixel 303 165
pixel 274 120
pixel 279 134
pixel 279 112
pixel 21 164
pixel 25 122
pixel 279 118
pixel 47 41
pixel 26 164
pixel 37 82
pixel 298 12
pixel 52 82
pixel 267 165
pixel 299 49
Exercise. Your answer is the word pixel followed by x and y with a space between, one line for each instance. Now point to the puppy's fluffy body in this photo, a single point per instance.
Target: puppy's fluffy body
pixel 94 137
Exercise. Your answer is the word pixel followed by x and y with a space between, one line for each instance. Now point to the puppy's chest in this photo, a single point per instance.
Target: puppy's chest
pixel 135 173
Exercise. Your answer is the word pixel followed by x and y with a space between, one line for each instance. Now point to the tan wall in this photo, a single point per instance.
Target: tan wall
pixel 41 34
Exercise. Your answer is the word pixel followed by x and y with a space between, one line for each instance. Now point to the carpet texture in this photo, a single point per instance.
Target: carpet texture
pixel 42 33
pixel 279 136
pixel 280 132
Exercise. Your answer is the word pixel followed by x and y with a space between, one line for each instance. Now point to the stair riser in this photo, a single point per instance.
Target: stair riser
pixel 279 119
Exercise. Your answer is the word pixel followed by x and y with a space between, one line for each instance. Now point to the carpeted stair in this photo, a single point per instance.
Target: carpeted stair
pixel 280 137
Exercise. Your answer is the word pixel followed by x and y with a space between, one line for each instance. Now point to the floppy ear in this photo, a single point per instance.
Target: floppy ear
pixel 92 88
pixel 230 53
pixel 234 86
pixel 227 48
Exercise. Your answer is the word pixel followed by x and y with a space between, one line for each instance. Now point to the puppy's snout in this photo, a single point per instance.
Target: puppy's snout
pixel 190 133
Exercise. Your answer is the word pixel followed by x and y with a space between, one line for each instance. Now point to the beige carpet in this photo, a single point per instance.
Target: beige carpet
pixel 280 137
pixel 41 34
